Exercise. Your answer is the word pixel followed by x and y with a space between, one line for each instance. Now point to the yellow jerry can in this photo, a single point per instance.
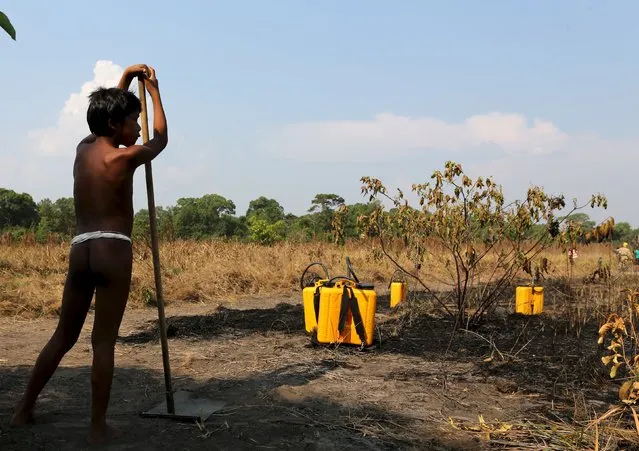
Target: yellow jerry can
pixel 397 293
pixel 538 300
pixel 346 313
pixel 397 289
pixel 529 300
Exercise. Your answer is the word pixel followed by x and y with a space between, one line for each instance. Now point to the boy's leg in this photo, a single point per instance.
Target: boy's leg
pixel 114 259
pixel 76 299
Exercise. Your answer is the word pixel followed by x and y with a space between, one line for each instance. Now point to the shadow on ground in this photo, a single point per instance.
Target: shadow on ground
pixel 286 318
pixel 269 410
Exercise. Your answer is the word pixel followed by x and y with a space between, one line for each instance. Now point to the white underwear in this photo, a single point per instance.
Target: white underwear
pixel 95 235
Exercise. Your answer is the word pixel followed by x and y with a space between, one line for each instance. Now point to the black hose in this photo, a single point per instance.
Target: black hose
pixel 397 271
pixel 309 267
pixel 349 270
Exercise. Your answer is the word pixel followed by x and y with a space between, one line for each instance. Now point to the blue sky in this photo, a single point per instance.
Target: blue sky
pixel 292 98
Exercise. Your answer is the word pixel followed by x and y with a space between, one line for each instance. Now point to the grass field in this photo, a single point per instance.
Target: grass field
pixel 32 275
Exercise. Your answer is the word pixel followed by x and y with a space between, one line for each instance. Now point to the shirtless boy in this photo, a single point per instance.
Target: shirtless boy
pixel 100 258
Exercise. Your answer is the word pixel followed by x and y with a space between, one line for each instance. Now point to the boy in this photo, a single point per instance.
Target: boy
pixel 100 259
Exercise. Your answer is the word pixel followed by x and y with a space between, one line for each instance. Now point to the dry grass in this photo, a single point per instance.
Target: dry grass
pixel 32 275
pixel 542 433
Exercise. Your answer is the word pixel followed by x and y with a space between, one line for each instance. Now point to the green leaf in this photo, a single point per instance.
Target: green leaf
pixel 5 23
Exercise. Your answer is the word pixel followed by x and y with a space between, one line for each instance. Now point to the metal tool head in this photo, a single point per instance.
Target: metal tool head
pixel 187 406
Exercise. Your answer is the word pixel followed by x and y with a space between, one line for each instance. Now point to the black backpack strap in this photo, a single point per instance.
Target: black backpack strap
pixel 357 318
pixel 349 270
pixel 349 301
pixel 316 302
pixel 343 311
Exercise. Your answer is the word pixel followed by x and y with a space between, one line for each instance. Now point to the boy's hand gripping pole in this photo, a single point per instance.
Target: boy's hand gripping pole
pixel 156 253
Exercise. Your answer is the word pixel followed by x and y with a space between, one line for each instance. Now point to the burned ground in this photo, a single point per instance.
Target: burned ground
pixel 531 380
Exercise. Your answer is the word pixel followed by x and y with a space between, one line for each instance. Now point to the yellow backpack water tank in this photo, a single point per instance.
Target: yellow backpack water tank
pixel 346 313
pixel 310 282
pixel 529 300
pixel 310 300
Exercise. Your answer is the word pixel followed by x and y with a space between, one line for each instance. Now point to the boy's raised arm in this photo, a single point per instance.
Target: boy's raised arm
pixel 152 148
pixel 132 72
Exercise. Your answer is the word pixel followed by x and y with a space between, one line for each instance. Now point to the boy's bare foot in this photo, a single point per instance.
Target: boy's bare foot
pixel 22 417
pixel 99 435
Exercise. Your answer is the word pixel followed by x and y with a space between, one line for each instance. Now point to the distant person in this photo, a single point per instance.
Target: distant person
pixel 637 256
pixel 624 255
pixel 100 259
pixel 573 255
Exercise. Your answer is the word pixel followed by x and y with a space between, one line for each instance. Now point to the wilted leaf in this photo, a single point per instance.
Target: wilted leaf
pixel 634 415
pixel 613 370
pixel 614 346
pixel 625 390
pixel 504 427
pixel 629 392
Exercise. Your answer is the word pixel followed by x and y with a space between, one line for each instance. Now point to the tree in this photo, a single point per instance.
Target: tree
pixel 623 232
pixel 326 202
pixel 208 216
pixel 265 220
pixel 17 210
pixel 323 207
pixel 482 237
pixel 265 209
pixel 346 217
pixel 582 220
pixel 299 229
pixel 165 224
pixel 263 232
pixel 56 217
pixel 6 25
pixel 232 227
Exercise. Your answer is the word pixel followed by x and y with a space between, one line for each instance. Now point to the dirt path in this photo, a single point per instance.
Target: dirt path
pixel 280 392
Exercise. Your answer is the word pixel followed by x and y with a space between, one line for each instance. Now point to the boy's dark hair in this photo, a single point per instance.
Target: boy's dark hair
pixel 110 103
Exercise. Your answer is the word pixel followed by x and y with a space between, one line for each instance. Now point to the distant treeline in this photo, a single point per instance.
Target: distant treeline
pixel 209 216
pixel 214 216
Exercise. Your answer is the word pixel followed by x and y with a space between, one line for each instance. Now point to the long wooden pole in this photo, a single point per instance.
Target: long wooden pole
pixel 155 249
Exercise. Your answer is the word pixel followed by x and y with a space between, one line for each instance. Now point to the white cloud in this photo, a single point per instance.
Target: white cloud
pixel 586 164
pixel 533 152
pixel 388 135
pixel 62 138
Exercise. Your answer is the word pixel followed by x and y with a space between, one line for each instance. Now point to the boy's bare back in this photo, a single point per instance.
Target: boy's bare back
pixel 102 189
